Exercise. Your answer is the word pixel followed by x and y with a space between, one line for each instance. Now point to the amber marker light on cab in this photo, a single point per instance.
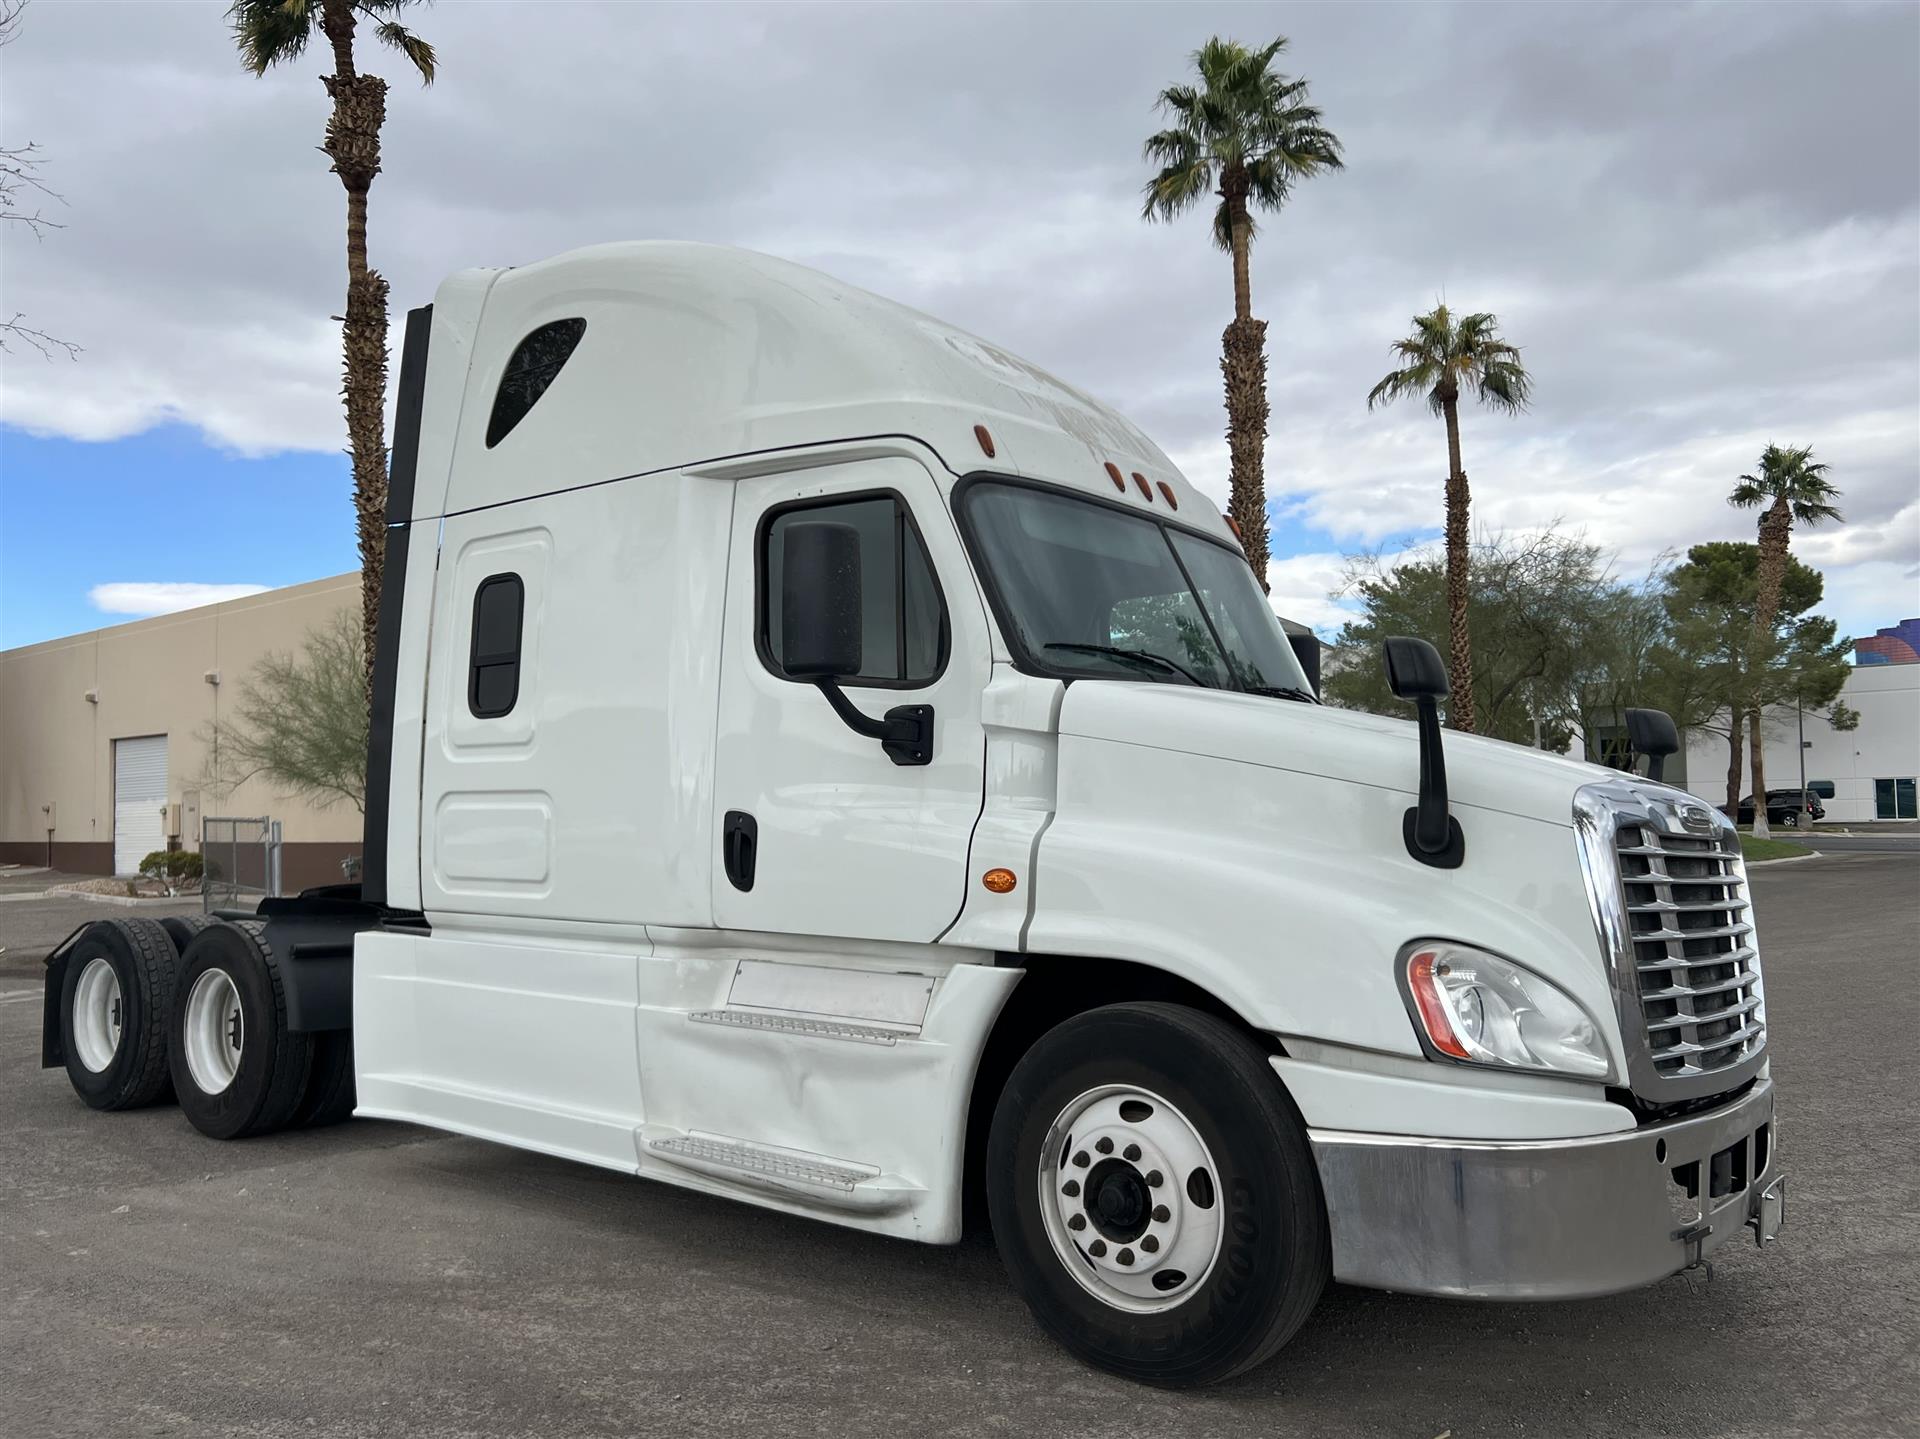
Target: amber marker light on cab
pixel 1000 881
pixel 985 439
pixel 1119 480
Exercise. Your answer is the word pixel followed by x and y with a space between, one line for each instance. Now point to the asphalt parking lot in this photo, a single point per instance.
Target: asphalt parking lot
pixel 379 1279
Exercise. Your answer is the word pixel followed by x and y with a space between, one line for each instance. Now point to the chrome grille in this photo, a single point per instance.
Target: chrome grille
pixel 1690 926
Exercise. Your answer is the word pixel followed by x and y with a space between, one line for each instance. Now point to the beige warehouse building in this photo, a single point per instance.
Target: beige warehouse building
pixel 103 753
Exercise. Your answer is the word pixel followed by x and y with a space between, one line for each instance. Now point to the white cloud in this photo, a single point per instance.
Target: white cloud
pixel 1760 283
pixel 1303 588
pixel 163 597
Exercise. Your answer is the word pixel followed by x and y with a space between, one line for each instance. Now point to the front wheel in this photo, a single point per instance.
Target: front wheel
pixel 1153 1195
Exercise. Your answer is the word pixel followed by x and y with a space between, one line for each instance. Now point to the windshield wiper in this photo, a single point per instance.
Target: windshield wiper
pixel 1160 662
pixel 1285 692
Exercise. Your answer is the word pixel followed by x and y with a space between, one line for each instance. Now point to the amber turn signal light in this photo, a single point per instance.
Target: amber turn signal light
pixel 1000 881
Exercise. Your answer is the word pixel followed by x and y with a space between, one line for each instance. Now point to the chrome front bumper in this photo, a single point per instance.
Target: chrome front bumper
pixel 1549 1219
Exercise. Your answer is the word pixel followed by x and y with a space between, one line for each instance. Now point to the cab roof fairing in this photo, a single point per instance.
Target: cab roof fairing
pixel 694 353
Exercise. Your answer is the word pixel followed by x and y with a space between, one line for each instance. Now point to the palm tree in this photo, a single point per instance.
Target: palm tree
pixel 1793 486
pixel 1245 134
pixel 268 33
pixel 1441 358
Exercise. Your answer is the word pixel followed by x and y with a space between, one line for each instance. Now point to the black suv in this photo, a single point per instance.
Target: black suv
pixel 1790 807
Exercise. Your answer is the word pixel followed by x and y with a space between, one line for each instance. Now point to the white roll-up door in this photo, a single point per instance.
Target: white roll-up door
pixel 139 800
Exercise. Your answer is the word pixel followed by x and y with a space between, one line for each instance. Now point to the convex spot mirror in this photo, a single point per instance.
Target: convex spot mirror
pixel 1414 670
pixel 821 623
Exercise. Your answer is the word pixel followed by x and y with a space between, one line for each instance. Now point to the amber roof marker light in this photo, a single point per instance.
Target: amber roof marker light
pixel 1146 490
pixel 1166 492
pixel 1119 480
pixel 1000 881
pixel 985 439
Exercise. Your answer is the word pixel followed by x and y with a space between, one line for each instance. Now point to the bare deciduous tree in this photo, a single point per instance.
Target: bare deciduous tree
pixel 22 193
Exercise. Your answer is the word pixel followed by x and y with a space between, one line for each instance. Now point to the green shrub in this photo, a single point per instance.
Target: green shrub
pixel 173 864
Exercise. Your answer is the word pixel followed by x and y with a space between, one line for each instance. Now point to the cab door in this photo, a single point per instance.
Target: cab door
pixel 821 831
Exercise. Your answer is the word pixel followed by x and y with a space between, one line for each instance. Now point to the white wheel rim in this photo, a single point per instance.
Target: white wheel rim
pixel 1131 1199
pixel 214 1032
pixel 97 1015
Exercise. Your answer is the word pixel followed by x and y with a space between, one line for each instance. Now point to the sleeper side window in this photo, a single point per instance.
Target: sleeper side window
pixel 493 673
pixel 533 365
pixel 904 637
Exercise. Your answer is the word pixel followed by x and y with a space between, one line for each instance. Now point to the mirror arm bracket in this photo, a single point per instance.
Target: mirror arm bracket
pixel 906 733
pixel 1432 834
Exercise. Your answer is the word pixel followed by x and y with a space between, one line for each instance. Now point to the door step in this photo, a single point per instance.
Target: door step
pixel 841 1029
pixel 817 1178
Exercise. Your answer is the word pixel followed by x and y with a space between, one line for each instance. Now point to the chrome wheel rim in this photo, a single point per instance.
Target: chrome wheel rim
pixel 1130 1197
pixel 214 1032
pixel 97 1015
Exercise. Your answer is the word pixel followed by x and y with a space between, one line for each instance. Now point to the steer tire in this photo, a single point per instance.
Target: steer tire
pixel 330 1094
pixel 270 1064
pixel 132 1054
pixel 1247 1290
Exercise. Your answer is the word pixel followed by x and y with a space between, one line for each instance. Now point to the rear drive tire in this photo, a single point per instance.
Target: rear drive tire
pixel 237 1069
pixel 330 1097
pixel 115 998
pixel 181 928
pixel 1153 1195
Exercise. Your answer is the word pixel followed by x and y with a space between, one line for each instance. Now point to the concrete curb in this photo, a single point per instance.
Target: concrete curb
pixel 1788 859
pixel 123 901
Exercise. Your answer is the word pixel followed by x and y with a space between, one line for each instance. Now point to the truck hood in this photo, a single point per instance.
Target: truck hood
pixel 1338 744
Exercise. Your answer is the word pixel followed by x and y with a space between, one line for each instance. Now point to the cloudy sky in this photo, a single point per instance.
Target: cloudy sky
pixel 1702 225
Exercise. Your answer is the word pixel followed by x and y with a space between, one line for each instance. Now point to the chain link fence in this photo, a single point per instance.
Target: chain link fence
pixel 241 859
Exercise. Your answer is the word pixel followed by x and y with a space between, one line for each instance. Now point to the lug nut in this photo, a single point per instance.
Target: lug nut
pixel 1155 1179
pixel 1097 1248
pixel 1161 1214
pixel 1125 1256
pixel 1130 1153
pixel 1076 1221
pixel 1105 1146
pixel 1071 1188
pixel 1151 1244
pixel 1080 1160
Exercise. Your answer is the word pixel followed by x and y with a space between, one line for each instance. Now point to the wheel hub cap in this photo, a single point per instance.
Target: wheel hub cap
pixel 214 1032
pixel 1128 1197
pixel 96 1015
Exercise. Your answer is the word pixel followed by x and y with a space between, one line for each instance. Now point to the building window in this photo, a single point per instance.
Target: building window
pixel 532 366
pixel 904 635
pixel 1894 799
pixel 493 672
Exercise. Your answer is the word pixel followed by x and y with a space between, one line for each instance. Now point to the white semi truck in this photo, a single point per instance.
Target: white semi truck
pixel 822 760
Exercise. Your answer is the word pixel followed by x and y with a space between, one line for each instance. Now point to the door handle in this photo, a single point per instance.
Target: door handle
pixel 739 845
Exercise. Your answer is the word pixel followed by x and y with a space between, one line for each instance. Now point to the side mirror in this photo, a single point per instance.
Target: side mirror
pixel 1651 733
pixel 1414 670
pixel 1306 649
pixel 821 624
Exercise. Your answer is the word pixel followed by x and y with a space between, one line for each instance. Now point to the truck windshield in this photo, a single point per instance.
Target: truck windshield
pixel 1087 590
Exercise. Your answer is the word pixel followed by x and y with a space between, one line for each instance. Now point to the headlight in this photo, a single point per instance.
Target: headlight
pixel 1481 1009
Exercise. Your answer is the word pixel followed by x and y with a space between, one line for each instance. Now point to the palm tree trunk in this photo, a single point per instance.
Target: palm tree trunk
pixel 1775 530
pixel 1460 658
pixel 353 144
pixel 1243 366
pixel 1760 827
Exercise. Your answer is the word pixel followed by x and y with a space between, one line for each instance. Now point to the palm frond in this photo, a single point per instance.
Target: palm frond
pixel 268 32
pixel 1789 476
pixel 396 36
pixel 1443 356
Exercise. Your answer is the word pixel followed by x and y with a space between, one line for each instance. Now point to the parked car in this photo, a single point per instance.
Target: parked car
pixel 1790 807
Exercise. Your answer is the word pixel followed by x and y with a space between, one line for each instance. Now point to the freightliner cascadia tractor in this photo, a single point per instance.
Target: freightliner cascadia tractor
pixel 822 760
